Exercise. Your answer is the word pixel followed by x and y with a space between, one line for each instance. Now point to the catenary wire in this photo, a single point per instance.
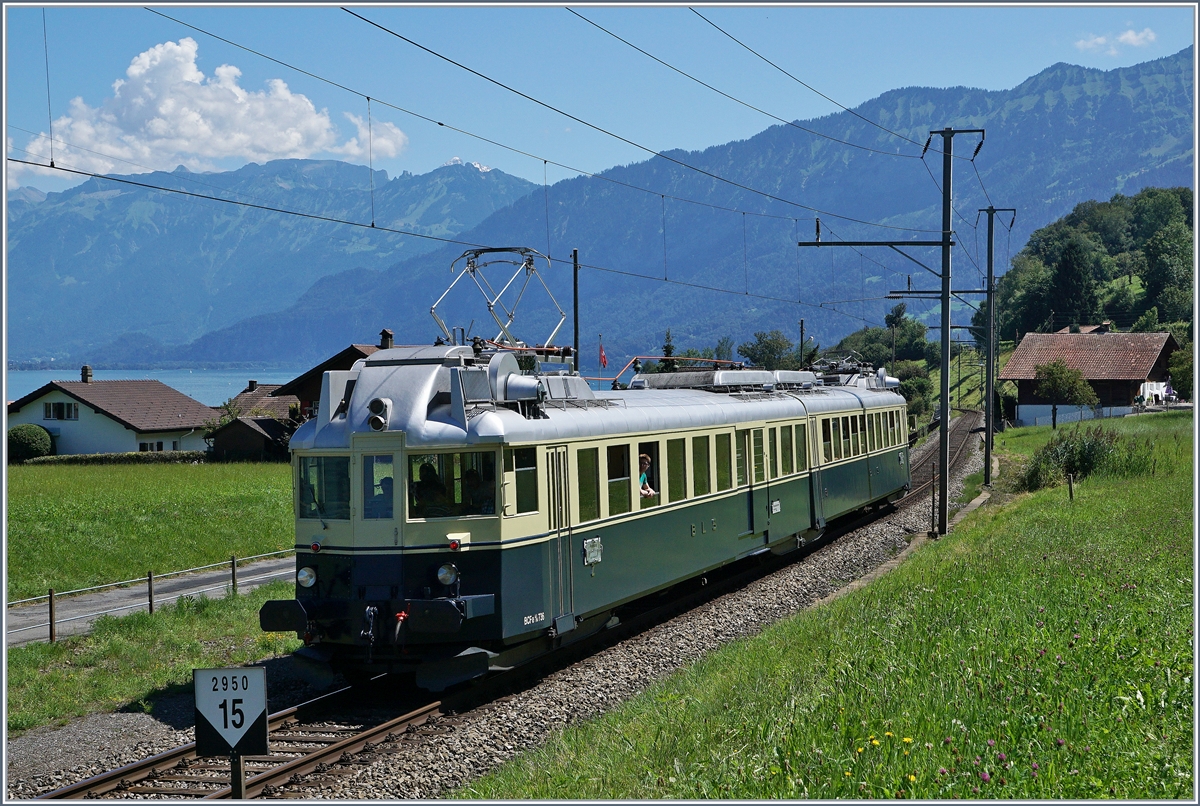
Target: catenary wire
pixel 461 131
pixel 626 140
pixel 687 75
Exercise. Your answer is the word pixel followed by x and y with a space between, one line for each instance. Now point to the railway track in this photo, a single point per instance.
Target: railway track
pixel 315 736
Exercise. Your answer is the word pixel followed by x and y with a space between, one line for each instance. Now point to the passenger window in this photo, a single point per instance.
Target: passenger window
pixel 837 438
pixel 700 482
pixel 443 485
pixel 325 487
pixel 785 449
pixel 648 476
pixel 760 470
pixel 741 457
pixel 827 440
pixel 589 484
pixel 773 460
pixel 854 441
pixel 846 438
pixel 801 449
pixel 891 428
pixel 676 470
pixel 724 463
pixel 377 482
pixel 618 479
pixel 525 466
pixel 870 432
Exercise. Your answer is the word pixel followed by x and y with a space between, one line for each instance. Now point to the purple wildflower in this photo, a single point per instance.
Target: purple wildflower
pixel 1061 741
pixel 1001 756
pixel 1035 765
pixel 983 776
pixel 991 742
pixel 941 770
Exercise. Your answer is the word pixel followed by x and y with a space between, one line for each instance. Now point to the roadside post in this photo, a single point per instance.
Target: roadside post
pixel 231 718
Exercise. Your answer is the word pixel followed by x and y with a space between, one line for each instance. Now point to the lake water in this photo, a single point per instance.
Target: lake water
pixel 211 387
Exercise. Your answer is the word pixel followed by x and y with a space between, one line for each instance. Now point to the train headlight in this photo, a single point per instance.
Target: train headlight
pixel 447 574
pixel 306 577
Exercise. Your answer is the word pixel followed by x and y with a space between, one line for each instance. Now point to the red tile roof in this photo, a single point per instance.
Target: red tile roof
pixel 1106 356
pixel 261 402
pixel 142 406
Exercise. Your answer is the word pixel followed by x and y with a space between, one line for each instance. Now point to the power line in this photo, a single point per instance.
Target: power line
pixel 625 140
pixel 793 124
pixel 465 132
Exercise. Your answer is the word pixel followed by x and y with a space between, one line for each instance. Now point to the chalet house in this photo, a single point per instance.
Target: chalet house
pixel 307 387
pixel 252 439
pixel 90 416
pixel 260 400
pixel 1115 364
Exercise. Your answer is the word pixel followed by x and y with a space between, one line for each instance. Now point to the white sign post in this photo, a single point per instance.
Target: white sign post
pixel 231 718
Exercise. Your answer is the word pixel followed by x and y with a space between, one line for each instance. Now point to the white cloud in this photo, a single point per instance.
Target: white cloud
pixel 1132 37
pixel 1092 43
pixel 166 112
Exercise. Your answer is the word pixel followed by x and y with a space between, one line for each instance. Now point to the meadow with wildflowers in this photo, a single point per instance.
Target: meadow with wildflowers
pixel 1044 649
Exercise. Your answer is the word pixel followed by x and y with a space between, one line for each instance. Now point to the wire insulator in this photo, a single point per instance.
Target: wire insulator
pixel 928 140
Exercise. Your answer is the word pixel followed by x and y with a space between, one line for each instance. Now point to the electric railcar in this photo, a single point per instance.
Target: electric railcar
pixel 456 514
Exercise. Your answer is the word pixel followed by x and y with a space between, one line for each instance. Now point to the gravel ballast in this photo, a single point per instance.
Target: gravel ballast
pixel 449 752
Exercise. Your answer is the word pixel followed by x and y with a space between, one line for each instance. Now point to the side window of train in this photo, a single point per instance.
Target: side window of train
pixel 760 469
pixel 785 449
pixel 676 469
pixel 741 439
pixel 325 487
pixel 846 438
pixel 700 482
pixel 618 479
pixel 891 428
pixel 377 483
pixel 801 449
pixel 588 461
pixel 869 421
pixel 855 445
pixel 724 462
pixel 522 463
pixel 827 439
pixel 773 458
pixel 653 475
pixel 837 437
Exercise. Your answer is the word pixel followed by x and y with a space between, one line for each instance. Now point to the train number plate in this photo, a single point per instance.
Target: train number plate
pixel 536 618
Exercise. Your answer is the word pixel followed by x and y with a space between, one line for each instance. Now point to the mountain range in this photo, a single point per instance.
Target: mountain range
pixel 1063 136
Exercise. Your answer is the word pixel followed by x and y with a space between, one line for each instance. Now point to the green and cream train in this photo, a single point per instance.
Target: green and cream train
pixel 456 514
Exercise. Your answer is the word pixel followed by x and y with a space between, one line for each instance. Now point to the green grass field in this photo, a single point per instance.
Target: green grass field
pixel 127 663
pixel 1042 650
pixel 73 526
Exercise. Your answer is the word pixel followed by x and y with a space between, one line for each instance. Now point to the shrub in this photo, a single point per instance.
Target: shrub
pixel 132 458
pixel 28 441
pixel 1081 452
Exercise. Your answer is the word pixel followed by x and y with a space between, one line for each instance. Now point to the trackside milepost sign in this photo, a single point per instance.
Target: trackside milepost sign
pixel 231 711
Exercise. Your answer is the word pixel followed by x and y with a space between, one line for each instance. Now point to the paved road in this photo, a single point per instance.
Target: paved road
pixel 25 624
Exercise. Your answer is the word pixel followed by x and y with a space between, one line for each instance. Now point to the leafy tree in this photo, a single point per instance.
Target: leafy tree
pixel 1169 260
pixel 769 350
pixel 1074 286
pixel 903 370
pixel 917 391
pixel 1180 365
pixel 28 441
pixel 896 317
pixel 1147 322
pixel 1061 385
pixel 1155 208
pixel 669 364
pixel 724 349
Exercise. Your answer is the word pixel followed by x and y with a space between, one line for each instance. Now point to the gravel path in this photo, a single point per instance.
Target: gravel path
pixel 452 751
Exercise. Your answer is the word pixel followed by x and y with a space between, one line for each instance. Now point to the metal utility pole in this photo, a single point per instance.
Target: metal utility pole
pixel 801 341
pixel 575 260
pixel 989 424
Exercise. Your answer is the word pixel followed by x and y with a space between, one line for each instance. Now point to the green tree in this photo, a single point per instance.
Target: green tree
pixel 669 364
pixel 1153 209
pixel 1180 365
pixel 724 349
pixel 1061 385
pixel 1147 322
pixel 1169 261
pixel 896 317
pixel 1074 286
pixel 771 351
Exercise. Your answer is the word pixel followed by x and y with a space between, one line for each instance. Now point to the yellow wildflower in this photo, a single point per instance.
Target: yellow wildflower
pixel 872 736
pixel 889 733
pixel 906 752
pixel 875 742
pixel 912 777
pixel 907 740
pixel 860 749
pixel 847 772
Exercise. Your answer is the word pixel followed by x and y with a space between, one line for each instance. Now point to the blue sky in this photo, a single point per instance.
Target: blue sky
pixel 188 98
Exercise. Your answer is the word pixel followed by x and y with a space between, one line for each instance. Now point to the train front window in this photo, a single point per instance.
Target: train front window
pixel 324 488
pixel 377 483
pixel 443 485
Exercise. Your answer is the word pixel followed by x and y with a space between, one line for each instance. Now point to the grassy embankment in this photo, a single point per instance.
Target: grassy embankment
pixel 1042 650
pixel 74 526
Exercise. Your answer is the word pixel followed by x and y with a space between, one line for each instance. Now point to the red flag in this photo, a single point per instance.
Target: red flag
pixel 603 357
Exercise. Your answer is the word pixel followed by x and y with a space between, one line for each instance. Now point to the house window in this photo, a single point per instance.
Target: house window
pixel 149 447
pixel 174 444
pixel 60 411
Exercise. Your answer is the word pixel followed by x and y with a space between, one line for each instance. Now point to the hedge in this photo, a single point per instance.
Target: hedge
pixel 133 458
pixel 27 441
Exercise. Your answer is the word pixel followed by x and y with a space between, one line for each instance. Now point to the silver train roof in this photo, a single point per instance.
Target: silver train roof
pixel 437 398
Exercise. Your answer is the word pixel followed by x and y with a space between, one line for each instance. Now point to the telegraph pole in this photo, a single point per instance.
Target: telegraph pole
pixel 989 407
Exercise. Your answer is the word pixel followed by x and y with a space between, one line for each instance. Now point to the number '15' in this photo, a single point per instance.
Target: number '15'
pixel 239 718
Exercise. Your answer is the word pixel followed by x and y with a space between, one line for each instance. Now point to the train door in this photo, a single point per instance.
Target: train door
pixel 745 477
pixel 816 477
pixel 558 490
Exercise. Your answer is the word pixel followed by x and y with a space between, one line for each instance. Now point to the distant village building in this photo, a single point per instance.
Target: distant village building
pixel 260 400
pixel 1118 366
pixel 90 416
pixel 252 439
pixel 307 387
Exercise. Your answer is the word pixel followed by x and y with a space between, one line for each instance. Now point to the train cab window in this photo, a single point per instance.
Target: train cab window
pixel 618 479
pixel 741 438
pixel 785 450
pixel 827 439
pixel 377 483
pixel 650 477
pixel 325 487
pixel 773 459
pixel 724 462
pixel 676 469
pixel 588 461
pixel 443 485
pixel 760 469
pixel 801 449
pixel 700 481
pixel 522 463
pixel 846 438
